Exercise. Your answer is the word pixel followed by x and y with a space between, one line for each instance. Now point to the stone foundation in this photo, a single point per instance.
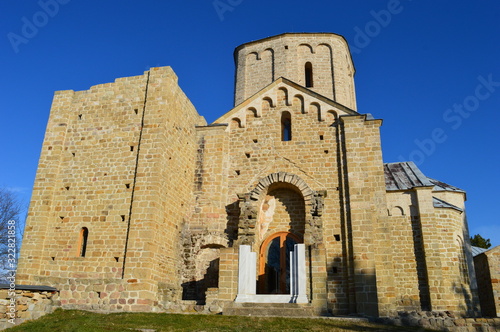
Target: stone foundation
pixel 30 303
pixel 441 321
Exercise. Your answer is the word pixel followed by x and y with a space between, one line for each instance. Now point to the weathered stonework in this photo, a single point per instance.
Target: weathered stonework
pixel 139 205
pixel 488 278
pixel 27 305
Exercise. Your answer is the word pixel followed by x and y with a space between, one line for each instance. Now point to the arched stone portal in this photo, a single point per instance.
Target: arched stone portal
pixel 252 209
pixel 279 219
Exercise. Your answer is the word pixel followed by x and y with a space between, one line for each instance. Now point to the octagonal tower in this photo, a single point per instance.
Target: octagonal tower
pixel 319 61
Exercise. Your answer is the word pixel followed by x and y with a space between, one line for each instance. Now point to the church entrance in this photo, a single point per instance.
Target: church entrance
pixel 274 263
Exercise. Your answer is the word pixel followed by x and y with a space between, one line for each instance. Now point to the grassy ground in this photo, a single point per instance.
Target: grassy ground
pixel 82 321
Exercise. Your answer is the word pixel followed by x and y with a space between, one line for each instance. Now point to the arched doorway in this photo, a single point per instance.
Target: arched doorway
pixel 274 263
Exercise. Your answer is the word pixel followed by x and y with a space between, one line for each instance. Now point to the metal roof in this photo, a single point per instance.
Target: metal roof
pixel 404 176
pixel 439 203
pixel 441 186
pixel 477 251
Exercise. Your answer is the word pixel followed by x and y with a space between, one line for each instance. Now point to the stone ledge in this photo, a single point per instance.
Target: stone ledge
pixel 30 287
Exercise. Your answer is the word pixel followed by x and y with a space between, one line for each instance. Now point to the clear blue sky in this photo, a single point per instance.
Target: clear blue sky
pixel 430 69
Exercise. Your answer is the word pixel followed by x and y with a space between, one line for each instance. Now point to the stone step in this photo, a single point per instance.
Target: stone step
pixel 270 309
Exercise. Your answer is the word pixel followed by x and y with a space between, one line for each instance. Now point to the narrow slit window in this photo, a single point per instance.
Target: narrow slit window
pixel 286 126
pixel 84 234
pixel 309 75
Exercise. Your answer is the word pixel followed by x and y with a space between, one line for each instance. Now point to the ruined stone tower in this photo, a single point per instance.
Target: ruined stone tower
pixel 141 205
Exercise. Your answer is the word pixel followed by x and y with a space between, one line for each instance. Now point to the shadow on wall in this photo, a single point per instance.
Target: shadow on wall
pixel 233 215
pixel 468 307
pixel 195 290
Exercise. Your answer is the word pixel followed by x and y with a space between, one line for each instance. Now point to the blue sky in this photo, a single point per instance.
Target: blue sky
pixel 430 69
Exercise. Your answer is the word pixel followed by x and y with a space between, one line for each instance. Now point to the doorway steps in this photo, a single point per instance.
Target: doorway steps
pixel 271 309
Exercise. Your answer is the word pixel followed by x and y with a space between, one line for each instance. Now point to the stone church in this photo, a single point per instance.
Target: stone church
pixel 140 205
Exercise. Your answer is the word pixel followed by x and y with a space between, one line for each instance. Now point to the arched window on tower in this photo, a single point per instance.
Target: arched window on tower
pixel 286 126
pixel 82 248
pixel 309 75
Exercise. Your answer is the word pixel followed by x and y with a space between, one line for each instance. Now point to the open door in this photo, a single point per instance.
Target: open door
pixel 274 263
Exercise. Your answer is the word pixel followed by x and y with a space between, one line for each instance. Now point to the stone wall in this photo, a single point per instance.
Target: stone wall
pixel 487 266
pixel 441 321
pixel 28 304
pixel 117 160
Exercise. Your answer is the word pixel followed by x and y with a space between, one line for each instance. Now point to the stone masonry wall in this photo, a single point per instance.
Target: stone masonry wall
pixel 163 192
pixel 487 266
pixel 107 165
pixel 257 150
pixel 28 305
pixel 441 321
pixel 86 167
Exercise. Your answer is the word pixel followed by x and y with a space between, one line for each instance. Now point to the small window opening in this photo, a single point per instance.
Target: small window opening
pixel 127 185
pixel 62 217
pixel 74 154
pixel 337 237
pixel 117 258
pixel 123 217
pixel 84 234
pixel 255 140
pixel 136 111
pixel 326 151
pixel 53 258
pixel 247 155
pixel 79 116
pixel 67 188
pixel 131 148
pixel 320 137
pixel 238 171
pixel 309 75
pixel 286 126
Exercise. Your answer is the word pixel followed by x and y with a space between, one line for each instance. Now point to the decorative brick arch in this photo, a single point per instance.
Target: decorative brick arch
pixel 283 177
pixel 313 200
